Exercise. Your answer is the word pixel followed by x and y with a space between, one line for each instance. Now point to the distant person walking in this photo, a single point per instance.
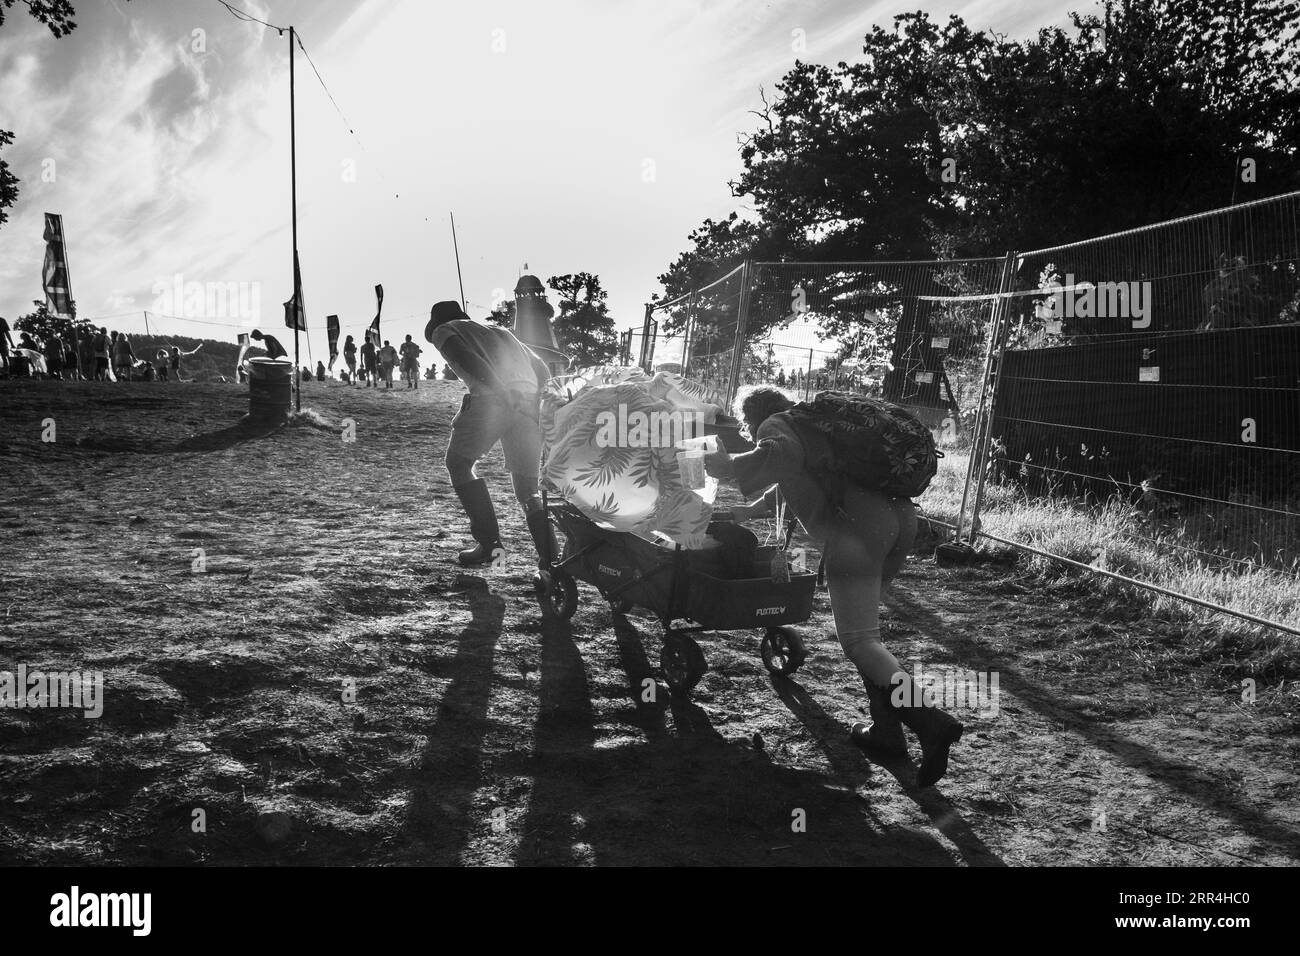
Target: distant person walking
pixel 69 343
pixel 350 357
pixel 6 345
pixel 86 353
pixel 368 362
pixel 123 356
pixel 274 350
pixel 102 355
pixel 320 371
pixel 387 362
pixel 411 363
pixel 54 356
pixel 174 359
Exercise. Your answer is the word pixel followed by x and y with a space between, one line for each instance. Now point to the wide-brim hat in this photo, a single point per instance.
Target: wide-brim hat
pixel 441 313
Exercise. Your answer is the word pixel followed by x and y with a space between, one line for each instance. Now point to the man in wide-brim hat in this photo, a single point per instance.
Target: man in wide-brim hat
pixel 505 380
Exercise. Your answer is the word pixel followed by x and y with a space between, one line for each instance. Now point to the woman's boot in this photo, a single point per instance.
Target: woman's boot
pixel 935 729
pixel 884 738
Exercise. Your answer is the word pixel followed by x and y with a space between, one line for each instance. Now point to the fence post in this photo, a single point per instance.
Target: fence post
pixel 742 325
pixel 686 341
pixel 983 416
pixel 645 335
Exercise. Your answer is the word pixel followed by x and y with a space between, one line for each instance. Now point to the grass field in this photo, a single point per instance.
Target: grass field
pixel 327 659
pixel 1116 537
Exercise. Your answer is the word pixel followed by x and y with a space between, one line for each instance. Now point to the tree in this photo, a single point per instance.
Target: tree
pixel 503 314
pixel 43 324
pixel 584 328
pixel 953 142
pixel 57 15
pixel 8 181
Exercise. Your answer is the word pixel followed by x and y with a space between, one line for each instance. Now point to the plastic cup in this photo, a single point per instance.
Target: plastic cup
pixel 707 444
pixel 690 465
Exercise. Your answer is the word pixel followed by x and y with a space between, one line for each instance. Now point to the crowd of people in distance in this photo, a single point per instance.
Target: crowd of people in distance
pixel 378 363
pixel 85 353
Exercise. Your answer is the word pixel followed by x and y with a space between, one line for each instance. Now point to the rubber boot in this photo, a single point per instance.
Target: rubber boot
pixel 543 533
pixel 884 738
pixel 935 729
pixel 476 501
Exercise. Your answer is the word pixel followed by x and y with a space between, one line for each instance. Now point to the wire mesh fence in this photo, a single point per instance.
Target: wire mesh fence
pixel 696 334
pixel 1152 377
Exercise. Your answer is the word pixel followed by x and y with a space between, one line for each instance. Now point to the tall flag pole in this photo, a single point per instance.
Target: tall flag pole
pixel 456 247
pixel 55 276
pixel 293 180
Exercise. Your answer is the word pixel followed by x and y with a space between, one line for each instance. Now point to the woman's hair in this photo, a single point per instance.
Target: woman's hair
pixel 757 402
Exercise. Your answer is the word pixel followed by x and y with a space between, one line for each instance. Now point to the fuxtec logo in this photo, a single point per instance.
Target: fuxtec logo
pixel 606 569
pixel 769 611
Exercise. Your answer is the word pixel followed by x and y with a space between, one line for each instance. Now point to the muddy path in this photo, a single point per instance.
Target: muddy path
pixel 281 626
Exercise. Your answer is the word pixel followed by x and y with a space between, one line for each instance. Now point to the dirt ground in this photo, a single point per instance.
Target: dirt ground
pixel 482 733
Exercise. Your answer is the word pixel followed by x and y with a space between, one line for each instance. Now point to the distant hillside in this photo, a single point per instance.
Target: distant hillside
pixel 214 360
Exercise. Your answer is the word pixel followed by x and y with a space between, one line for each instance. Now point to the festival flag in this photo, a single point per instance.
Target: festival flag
pixel 332 330
pixel 54 276
pixel 295 308
pixel 372 333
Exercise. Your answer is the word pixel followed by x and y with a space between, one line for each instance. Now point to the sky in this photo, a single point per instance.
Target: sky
pixel 567 135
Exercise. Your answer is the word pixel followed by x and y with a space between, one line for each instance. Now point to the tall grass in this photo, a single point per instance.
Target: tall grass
pixel 1114 536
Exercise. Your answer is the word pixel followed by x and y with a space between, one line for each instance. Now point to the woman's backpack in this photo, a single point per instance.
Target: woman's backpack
pixel 867 442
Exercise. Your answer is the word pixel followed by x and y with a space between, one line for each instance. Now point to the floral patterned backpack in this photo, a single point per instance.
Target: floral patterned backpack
pixel 867 442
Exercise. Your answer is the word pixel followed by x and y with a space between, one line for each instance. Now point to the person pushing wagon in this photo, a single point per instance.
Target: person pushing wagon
pixel 866 529
pixel 505 380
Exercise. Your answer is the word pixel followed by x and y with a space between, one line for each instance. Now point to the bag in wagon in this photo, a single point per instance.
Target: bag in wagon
pixel 867 442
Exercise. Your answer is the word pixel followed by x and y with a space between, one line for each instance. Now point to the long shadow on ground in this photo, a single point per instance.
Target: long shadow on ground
pixel 1191 781
pixel 679 793
pixel 849 761
pixel 222 439
pixel 439 820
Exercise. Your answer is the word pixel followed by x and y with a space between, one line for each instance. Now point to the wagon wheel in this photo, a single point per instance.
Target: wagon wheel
pixel 557 592
pixel 782 651
pixel 682 662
